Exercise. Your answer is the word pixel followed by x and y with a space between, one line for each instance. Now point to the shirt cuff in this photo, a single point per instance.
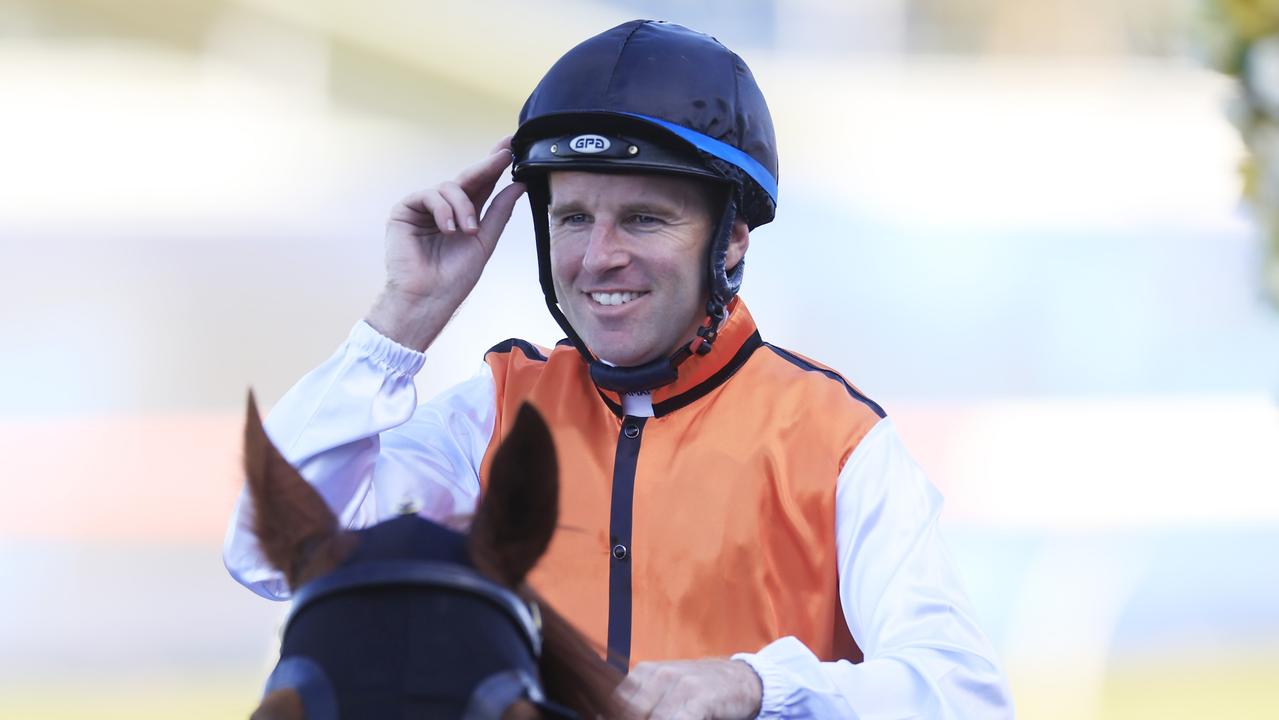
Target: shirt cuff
pixel 777 686
pixel 384 351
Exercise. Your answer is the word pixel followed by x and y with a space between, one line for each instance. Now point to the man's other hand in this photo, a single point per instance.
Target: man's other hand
pixel 692 690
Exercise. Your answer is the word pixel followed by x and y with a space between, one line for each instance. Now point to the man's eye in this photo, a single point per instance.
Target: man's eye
pixel 574 219
pixel 645 219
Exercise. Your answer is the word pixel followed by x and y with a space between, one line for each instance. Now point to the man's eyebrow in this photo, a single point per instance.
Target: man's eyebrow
pixel 633 207
pixel 649 207
pixel 569 207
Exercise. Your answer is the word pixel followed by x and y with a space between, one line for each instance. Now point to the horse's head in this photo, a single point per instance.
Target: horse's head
pixel 409 618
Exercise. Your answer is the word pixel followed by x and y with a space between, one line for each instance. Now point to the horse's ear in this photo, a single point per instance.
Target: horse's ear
pixel 295 527
pixel 517 515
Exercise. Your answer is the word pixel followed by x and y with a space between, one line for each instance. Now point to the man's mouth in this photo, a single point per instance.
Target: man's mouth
pixel 614 298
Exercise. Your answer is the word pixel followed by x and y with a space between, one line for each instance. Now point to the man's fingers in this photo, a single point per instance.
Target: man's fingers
pixel 503 144
pixel 627 691
pixel 675 706
pixel 478 180
pixel 451 206
pixel 445 219
pixel 461 206
pixel 679 701
pixel 425 209
pixel 499 213
pixel 641 690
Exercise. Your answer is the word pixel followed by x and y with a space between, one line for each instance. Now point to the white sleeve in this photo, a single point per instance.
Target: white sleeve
pixel 925 655
pixel 353 428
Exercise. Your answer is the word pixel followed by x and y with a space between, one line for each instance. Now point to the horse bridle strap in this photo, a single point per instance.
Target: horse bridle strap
pixel 494 696
pixel 422 573
pixel 307 679
pixel 491 698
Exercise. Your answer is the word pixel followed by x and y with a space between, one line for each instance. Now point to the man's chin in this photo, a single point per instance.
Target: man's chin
pixel 619 348
pixel 624 350
pixel 626 360
pixel 622 356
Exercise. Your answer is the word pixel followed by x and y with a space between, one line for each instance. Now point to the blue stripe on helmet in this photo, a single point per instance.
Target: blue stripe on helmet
pixel 721 150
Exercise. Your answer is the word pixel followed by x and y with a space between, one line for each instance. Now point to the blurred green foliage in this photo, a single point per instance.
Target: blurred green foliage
pixel 1242 40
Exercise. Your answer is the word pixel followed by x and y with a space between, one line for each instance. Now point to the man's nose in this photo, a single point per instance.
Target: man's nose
pixel 605 250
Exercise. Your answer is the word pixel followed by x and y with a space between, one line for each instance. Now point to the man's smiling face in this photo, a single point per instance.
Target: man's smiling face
pixel 628 258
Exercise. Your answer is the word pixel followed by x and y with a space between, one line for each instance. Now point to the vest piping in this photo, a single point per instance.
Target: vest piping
pixel 617 409
pixel 698 391
pixel 620 550
pixel 803 364
pixel 530 351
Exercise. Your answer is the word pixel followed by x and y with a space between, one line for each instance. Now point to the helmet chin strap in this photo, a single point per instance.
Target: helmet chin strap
pixel 662 370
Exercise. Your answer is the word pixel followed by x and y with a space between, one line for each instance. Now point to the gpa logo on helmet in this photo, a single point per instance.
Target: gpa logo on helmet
pixel 589 144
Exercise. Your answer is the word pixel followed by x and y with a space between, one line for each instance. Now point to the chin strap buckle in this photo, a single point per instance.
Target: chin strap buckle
pixel 705 339
pixel 707 333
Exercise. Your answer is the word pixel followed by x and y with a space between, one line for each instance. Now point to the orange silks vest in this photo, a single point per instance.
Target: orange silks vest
pixel 709 528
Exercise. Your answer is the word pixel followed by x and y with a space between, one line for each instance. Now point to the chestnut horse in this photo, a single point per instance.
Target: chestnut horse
pixel 411 619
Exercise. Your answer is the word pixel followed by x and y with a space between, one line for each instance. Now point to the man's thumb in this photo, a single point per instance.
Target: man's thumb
pixel 499 213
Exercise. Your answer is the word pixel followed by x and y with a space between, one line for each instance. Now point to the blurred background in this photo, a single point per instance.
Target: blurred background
pixel 1016 224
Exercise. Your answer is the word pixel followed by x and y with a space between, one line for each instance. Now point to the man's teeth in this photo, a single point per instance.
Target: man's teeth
pixel 617 298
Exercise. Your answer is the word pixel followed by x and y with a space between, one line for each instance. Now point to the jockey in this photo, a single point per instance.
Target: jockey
pixel 741 527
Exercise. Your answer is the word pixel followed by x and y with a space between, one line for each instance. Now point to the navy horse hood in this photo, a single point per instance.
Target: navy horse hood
pixel 399 649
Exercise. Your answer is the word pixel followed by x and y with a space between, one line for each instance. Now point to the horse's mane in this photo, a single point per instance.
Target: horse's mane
pixel 572 671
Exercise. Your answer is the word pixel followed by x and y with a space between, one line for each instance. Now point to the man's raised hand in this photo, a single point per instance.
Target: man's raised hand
pixel 437 244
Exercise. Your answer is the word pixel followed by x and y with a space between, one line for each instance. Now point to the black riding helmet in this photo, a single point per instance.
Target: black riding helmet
pixel 651 97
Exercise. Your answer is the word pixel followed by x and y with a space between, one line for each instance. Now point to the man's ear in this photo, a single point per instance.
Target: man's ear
pixel 516 518
pixel 738 240
pixel 295 528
